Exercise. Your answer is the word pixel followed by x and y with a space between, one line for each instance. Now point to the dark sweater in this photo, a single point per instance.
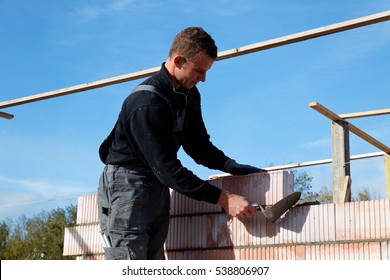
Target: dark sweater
pixel 149 133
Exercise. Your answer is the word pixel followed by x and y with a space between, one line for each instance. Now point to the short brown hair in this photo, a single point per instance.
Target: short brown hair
pixel 191 42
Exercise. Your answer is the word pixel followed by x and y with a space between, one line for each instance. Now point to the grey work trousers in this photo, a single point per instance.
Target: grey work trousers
pixel 133 213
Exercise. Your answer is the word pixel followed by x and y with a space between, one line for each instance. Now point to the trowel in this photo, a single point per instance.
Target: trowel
pixel 274 212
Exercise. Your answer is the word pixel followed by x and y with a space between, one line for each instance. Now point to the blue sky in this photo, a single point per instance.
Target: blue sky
pixel 255 106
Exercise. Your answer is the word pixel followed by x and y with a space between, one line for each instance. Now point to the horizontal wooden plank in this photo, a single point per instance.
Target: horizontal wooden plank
pixel 285 40
pixel 365 114
pixel 79 88
pixel 305 164
pixel 306 35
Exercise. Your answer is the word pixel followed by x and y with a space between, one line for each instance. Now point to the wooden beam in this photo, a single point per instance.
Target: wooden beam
pixel 334 117
pixel 285 40
pixel 79 88
pixel 365 114
pixel 6 115
pixel 306 35
pixel 305 164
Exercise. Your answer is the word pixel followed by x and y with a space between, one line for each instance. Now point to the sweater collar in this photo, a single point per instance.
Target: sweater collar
pixel 167 83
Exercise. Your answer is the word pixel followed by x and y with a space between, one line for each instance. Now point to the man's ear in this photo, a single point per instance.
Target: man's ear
pixel 179 61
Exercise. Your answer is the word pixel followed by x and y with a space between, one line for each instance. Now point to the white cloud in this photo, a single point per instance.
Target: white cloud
pixel 320 143
pixel 16 204
pixel 119 5
pixel 382 131
pixel 31 191
pixel 87 12
pixel 232 8
pixel 354 45
pixel 30 196
pixel 94 11
pixel 221 8
pixel 8 199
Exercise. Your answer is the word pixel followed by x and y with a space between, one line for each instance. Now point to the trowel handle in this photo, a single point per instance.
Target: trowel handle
pixel 257 206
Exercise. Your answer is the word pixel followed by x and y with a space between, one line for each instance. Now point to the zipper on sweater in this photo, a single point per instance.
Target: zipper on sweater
pixel 185 95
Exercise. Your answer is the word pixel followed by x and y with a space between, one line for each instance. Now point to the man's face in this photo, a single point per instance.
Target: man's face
pixel 189 73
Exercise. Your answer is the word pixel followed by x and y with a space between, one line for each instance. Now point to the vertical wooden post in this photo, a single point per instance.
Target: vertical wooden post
pixel 387 174
pixel 340 162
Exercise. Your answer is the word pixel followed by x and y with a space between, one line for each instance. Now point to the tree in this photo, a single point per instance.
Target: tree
pixel 302 183
pixel 4 232
pixel 364 195
pixel 39 237
pixel 325 195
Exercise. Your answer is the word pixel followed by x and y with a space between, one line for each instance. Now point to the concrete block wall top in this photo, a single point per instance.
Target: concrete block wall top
pixel 264 188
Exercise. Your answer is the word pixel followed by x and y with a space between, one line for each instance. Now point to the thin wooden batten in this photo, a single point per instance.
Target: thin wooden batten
pixel 281 41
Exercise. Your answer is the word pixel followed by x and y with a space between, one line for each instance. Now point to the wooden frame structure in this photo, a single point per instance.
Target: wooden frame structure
pixel 341 179
pixel 340 127
pixel 281 41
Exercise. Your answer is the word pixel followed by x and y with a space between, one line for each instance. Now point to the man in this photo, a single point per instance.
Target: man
pixel 141 158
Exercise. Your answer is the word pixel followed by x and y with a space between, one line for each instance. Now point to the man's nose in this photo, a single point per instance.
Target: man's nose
pixel 203 77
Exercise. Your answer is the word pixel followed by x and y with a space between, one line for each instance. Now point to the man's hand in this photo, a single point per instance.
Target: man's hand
pixel 236 205
pixel 234 168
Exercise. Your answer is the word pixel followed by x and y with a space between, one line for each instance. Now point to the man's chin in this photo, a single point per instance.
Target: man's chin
pixel 190 86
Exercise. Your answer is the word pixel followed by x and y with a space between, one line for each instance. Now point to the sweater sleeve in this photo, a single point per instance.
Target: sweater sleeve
pixel 198 144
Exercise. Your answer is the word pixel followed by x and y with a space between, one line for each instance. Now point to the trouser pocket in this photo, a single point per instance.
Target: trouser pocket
pixel 104 203
pixel 129 205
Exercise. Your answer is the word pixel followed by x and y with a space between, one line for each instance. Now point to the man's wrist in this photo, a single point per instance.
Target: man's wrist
pixel 229 164
pixel 223 199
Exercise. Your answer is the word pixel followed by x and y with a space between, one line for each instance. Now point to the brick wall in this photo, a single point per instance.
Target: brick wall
pixel 198 230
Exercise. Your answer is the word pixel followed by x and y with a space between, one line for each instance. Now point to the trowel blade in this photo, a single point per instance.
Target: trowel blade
pixel 279 208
